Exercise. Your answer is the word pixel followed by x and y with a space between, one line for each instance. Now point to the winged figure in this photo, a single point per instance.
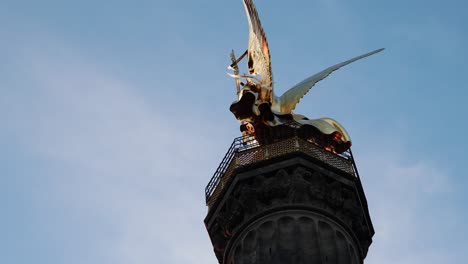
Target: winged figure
pixel 257 106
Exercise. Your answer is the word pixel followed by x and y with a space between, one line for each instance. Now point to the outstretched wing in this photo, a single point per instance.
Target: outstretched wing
pixel 258 56
pixel 288 101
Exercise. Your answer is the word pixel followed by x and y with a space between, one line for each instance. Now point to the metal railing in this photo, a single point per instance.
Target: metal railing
pixel 236 145
pixel 247 150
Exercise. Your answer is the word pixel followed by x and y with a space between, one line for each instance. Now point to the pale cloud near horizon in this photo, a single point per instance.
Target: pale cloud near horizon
pixel 140 175
pixel 118 161
pixel 402 199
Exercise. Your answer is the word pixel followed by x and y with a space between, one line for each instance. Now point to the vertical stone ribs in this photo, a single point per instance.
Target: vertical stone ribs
pixel 293 236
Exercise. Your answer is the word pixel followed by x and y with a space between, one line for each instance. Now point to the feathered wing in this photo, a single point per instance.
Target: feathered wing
pixel 288 101
pixel 258 56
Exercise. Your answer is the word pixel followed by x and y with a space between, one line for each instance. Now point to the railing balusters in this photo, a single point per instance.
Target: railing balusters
pixel 288 141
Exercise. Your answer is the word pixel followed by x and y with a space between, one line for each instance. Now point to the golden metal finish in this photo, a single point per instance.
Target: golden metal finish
pixel 259 83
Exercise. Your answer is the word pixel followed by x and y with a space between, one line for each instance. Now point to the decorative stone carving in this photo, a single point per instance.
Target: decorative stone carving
pixel 293 186
pixel 293 236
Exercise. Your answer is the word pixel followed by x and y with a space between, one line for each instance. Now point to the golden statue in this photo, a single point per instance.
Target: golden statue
pixel 259 109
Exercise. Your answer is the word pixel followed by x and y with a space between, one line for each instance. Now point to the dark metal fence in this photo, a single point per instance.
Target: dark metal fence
pixel 246 150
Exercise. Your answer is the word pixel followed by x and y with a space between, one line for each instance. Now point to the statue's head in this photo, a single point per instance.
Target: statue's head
pixel 245 107
pixel 252 109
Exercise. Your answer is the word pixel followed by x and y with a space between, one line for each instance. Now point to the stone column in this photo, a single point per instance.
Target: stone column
pixel 291 210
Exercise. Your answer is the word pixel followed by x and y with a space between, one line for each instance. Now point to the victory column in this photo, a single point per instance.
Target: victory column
pixel 287 190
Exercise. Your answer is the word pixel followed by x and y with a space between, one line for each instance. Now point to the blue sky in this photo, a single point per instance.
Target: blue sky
pixel 114 115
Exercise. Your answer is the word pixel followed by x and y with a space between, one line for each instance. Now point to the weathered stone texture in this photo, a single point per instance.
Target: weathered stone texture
pixel 290 211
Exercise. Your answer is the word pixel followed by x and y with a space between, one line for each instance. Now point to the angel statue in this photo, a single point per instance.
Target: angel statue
pixel 260 111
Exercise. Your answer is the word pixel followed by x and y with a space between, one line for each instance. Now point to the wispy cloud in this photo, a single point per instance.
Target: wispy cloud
pixel 137 176
pixel 130 176
pixel 411 210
